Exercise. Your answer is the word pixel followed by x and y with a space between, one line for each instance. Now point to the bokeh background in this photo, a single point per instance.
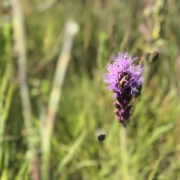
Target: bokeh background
pixel 32 38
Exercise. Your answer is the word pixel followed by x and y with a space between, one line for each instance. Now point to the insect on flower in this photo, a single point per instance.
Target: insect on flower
pixel 123 81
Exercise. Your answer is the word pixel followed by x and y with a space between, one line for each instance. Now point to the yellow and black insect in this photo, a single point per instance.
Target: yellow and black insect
pixel 123 81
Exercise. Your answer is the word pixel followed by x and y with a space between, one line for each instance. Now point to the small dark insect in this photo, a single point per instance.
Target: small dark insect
pixel 101 137
pixel 154 56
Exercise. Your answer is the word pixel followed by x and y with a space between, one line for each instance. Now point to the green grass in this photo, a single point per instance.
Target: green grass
pixel 48 130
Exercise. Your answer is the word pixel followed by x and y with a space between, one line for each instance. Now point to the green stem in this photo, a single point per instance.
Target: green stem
pixel 124 154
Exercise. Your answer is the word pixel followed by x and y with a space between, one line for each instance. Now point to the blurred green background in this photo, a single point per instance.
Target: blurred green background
pixel 149 147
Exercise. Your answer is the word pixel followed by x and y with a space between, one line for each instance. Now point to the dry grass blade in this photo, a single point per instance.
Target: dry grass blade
pixel 71 28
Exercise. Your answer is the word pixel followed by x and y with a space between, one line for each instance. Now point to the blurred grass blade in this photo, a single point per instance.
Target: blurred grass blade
pixel 157 133
pixel 67 158
pixel 20 47
pixel 5 105
pixel 22 171
pixel 71 28
pixel 151 176
pixel 86 164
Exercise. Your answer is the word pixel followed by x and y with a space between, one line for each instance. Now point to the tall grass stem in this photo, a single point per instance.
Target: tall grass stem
pixel 71 29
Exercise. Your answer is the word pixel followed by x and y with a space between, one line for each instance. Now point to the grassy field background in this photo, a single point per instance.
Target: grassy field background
pixel 53 99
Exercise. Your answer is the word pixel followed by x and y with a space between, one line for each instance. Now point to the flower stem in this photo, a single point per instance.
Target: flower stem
pixel 124 154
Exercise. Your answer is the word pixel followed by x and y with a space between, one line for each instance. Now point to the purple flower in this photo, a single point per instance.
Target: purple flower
pixel 124 79
pixel 123 74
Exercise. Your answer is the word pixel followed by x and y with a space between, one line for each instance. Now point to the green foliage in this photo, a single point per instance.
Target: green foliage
pixel 149 146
